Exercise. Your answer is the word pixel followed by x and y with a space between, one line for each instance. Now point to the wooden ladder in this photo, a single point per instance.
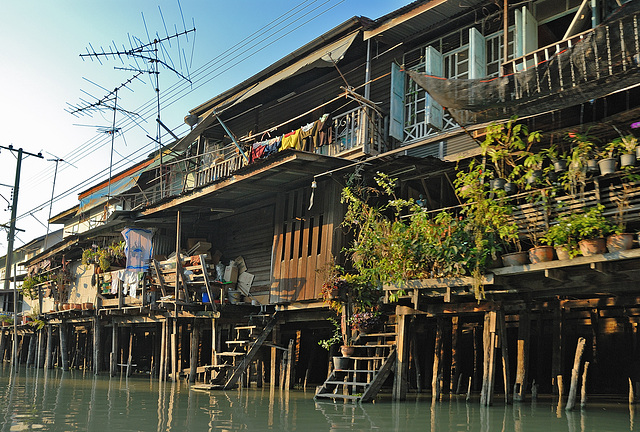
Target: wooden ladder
pixel 369 368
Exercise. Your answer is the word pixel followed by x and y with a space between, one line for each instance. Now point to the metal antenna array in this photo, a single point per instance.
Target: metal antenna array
pixel 110 102
pixel 152 53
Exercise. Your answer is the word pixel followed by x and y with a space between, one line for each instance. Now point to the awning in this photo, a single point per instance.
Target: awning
pixel 99 196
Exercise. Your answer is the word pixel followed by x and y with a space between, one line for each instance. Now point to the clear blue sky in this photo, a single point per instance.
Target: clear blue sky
pixel 41 71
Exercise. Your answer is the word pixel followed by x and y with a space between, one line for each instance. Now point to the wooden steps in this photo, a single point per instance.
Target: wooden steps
pixel 370 366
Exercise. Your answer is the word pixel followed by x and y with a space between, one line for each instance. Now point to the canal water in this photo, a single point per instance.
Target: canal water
pixel 72 401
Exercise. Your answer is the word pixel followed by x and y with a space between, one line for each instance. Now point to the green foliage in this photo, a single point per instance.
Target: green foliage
pixel 6 318
pixel 626 144
pixel 29 287
pixel 336 336
pixel 104 257
pixel 591 224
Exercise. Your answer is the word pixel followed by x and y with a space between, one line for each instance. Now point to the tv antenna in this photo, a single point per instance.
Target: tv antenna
pixel 107 102
pixel 154 54
pixel 55 159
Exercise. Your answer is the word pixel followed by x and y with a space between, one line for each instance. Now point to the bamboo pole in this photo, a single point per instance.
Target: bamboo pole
pixel 575 374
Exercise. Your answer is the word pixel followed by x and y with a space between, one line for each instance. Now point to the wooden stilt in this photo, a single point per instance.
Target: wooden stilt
pixel 632 398
pixel 437 351
pixel 524 336
pixel 130 353
pixel 41 349
pixel 114 348
pixel 260 373
pixel 583 390
pixel 595 321
pixel 288 384
pixel 174 351
pixel 455 355
pixel 400 383
pixel 575 374
pixel 193 360
pixel 64 354
pixel 97 345
pixel 31 356
pixel 275 338
pixel 3 344
pixel 416 362
pixel 48 363
pixel 556 351
pixel 469 390
pixel 488 374
pixel 504 349
pixel 163 352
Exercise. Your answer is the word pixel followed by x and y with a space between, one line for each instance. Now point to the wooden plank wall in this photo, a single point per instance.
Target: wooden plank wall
pixel 249 235
pixel 305 241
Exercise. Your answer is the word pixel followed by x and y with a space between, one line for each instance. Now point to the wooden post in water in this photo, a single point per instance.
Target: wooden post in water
pixel 130 353
pixel 437 350
pixel 31 356
pixel 163 353
pixel 97 345
pixel 524 337
pixel 40 354
pixel 64 354
pixel 288 384
pixel 556 348
pixel 455 355
pixel 416 361
pixel 193 360
pixel 113 367
pixel 3 341
pixel 275 338
pixel 504 349
pixel 575 374
pixel 48 363
pixel 488 370
pixel 402 352
pixel 583 390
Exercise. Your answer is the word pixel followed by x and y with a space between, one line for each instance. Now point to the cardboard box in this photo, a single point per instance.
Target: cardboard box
pixel 244 282
pixel 231 273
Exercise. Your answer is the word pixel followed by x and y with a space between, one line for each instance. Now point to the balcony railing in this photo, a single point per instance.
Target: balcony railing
pixel 358 131
pixel 543 54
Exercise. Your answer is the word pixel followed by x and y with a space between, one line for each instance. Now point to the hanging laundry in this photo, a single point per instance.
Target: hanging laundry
pixel 306 136
pixel 324 132
pixel 138 248
pixel 291 140
pixel 257 151
pixel 273 145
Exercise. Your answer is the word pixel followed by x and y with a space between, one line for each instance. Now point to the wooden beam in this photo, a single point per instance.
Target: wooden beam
pixel 555 274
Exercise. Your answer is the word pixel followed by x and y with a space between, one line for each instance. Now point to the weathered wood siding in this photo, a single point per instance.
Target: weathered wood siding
pixel 305 241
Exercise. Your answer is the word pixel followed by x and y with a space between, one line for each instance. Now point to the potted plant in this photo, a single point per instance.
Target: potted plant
pixel 540 201
pixel 366 322
pixel 607 163
pixel 592 228
pixel 563 237
pixel 620 239
pixel 580 162
pixel 336 337
pixel 628 146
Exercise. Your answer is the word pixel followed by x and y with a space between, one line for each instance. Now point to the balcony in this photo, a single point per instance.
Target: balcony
pixel 355 133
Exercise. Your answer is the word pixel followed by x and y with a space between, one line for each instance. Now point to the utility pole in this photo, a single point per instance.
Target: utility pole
pixel 10 238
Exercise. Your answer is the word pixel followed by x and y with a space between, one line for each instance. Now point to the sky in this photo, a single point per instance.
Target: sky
pixel 42 74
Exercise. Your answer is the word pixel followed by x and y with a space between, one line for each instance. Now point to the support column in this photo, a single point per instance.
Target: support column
pixel 64 354
pixel 556 350
pixel 437 360
pixel 3 344
pixel 195 341
pixel 163 352
pixel 41 348
pixel 488 369
pixel 504 349
pixel 522 367
pixel 31 354
pixel 455 355
pixel 97 345
pixel 402 351
pixel 114 349
pixel 48 364
pixel 275 335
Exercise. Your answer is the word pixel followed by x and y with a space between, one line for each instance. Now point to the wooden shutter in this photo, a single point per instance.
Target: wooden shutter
pixel 434 67
pixel 477 55
pixel 396 109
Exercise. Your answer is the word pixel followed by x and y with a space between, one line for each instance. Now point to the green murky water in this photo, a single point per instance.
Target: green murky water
pixel 69 401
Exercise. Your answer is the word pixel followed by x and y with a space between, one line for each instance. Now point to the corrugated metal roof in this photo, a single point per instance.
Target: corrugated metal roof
pixel 416 17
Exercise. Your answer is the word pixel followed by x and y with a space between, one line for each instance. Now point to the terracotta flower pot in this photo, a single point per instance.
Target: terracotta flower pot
pixel 515 259
pixel 347 351
pixel 590 247
pixel 562 252
pixel 540 254
pixel 619 242
pixel 87 306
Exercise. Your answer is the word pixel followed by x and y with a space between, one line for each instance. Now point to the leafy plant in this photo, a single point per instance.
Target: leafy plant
pixel 336 337
pixel 627 144
pixel 29 287
pixel 591 224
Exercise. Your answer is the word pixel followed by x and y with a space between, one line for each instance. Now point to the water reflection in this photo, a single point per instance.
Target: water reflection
pixel 36 399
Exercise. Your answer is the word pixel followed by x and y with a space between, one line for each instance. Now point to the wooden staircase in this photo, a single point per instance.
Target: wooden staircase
pixel 241 351
pixel 374 359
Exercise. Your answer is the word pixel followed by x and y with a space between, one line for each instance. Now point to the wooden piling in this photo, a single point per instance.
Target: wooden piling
pixel 275 338
pixel 114 349
pixel 48 363
pixel 583 390
pixel 575 374
pixel 97 345
pixel 31 356
pixel 288 384
pixel 64 354
pixel 193 358
pixel 437 350
pixel 163 353
pixel 400 383
pixel 488 369
pixel 130 353
pixel 556 348
pixel 524 337
pixel 455 355
pixel 504 349
pixel 41 349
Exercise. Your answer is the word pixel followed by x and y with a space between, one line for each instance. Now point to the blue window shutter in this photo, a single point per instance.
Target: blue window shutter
pixel 396 109
pixel 526 34
pixel 477 55
pixel 434 67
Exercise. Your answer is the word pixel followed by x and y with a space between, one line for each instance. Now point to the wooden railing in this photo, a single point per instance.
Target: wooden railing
pixel 543 54
pixel 356 131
